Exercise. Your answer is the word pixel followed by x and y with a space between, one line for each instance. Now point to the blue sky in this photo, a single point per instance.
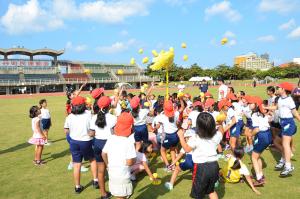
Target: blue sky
pixel 113 31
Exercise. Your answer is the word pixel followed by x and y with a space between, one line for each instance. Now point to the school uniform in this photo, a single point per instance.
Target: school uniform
pixel 287 123
pixel 169 136
pixel 140 126
pixel 248 113
pixel 188 163
pixel 236 129
pixel 193 118
pixel 264 137
pixel 80 142
pixel 45 119
pixel 102 134
pixel 206 167
pixel 118 150
pixel 159 130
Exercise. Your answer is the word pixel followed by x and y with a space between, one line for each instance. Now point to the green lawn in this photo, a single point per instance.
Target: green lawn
pixel 21 179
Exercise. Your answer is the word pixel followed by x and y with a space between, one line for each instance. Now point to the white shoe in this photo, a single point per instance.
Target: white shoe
pixel 83 169
pixel 287 171
pixel 70 166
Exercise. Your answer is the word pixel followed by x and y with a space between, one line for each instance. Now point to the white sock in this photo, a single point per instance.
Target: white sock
pixel 288 165
pixel 77 186
pixel 282 160
pixel 96 180
pixel 258 176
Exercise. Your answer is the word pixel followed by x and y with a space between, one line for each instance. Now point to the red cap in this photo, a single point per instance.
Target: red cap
pixel 223 103
pixel 78 101
pixel 169 109
pixel 124 125
pixel 207 94
pixel 187 95
pixel 197 103
pixel 255 100
pixel 247 98
pixel 135 102
pixel 231 96
pixel 209 102
pixel 261 108
pixel 97 92
pixel 286 86
pixel 104 101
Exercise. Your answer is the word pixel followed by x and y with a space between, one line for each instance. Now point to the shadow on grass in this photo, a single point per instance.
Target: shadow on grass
pixel 57 155
pixel 22 146
pixel 15 148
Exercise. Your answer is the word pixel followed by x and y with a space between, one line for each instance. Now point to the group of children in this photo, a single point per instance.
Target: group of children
pixel 119 134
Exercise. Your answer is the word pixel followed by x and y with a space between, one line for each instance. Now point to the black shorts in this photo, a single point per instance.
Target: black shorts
pixel 98 146
pixel 205 175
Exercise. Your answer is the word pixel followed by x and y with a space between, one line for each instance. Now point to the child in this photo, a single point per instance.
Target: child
pixel 263 136
pixel 102 126
pixel 236 169
pixel 183 166
pixel 97 94
pixel 192 117
pixel 119 154
pixel 141 163
pixel 287 110
pixel 46 119
pixel 140 126
pixel 247 112
pixel 38 138
pixel 204 154
pixel 77 124
pixel 168 121
pixel 159 131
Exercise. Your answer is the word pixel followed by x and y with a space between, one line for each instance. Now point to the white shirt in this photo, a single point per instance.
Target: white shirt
pixel 238 111
pixel 156 121
pixel 118 150
pixel 205 150
pixel 247 111
pixel 260 122
pixel 285 107
pixel 271 101
pixel 141 118
pixel 107 131
pixel 222 91
pixel 45 113
pixel 34 122
pixel 140 158
pixel 79 126
pixel 230 115
pixel 181 87
pixel 169 127
pixel 193 117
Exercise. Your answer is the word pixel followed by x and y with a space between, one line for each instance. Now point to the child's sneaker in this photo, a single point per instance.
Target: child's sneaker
pixel 287 171
pixel 168 186
pixel 78 190
pixel 258 183
pixel 279 166
pixel 83 169
pixel 70 166
pixel 227 147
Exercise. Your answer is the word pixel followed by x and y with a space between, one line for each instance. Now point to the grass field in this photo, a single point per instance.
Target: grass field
pixel 21 179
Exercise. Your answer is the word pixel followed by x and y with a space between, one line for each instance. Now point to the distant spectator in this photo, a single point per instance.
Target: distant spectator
pixel 254 83
pixel 222 89
pixel 203 86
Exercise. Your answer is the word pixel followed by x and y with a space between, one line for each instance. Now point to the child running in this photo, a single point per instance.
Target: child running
pixel 38 138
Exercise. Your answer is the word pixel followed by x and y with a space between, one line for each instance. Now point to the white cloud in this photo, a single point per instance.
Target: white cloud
pixel 29 17
pixel 224 9
pixel 280 6
pixel 77 48
pixel 229 34
pixel 295 33
pixel 116 47
pixel 33 17
pixel 266 38
pixel 288 25
pixel 179 2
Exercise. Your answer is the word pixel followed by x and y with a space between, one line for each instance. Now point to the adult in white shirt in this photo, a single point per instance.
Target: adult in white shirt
pixel 101 127
pixel 78 125
pixel 223 89
pixel 119 154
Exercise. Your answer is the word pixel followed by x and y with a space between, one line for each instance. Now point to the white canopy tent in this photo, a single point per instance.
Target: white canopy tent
pixel 199 79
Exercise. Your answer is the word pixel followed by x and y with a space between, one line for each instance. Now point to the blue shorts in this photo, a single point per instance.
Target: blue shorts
pixel 171 140
pixel 46 123
pixel 141 133
pixel 98 146
pixel 262 140
pixel 188 163
pixel 236 130
pixel 288 127
pixel 81 149
pixel 68 138
pixel 249 123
